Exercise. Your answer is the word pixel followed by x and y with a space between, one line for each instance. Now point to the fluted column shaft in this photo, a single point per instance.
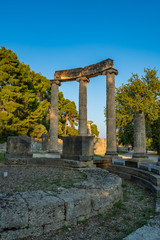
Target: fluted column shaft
pixel 54 117
pixel 82 131
pixel 111 113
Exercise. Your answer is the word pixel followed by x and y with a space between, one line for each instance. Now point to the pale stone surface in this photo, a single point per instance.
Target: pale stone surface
pixel 48 209
pixel 53 147
pixel 151 231
pixel 77 203
pixel 111 113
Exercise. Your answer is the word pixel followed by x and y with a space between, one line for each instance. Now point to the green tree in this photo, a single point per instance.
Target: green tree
pixel 137 96
pixel 68 116
pixel 94 130
pixel 24 96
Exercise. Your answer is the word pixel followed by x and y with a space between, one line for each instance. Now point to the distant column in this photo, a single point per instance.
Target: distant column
pixel 139 139
pixel 89 130
pixel 82 105
pixel 111 113
pixel 54 116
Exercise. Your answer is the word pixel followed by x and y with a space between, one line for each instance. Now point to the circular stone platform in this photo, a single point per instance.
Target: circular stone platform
pixel 25 214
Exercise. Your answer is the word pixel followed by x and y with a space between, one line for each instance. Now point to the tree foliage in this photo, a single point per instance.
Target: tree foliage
pixel 138 96
pixel 94 130
pixel 68 117
pixel 23 96
pixel 25 101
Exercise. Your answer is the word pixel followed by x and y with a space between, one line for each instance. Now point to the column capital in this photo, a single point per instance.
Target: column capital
pixel 55 82
pixel 110 71
pixel 85 79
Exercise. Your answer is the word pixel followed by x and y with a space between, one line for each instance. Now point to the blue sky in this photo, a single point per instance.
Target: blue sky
pixel 55 35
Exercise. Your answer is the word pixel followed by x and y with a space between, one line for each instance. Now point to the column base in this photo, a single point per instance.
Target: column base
pixel 140 157
pixel 109 155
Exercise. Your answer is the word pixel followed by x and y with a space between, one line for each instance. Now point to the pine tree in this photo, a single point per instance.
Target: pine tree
pixel 23 96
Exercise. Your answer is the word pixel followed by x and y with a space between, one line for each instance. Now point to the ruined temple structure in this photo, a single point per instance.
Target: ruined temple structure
pixel 82 76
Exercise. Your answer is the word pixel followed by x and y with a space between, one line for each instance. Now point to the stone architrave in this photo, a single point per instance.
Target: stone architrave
pixel 82 131
pixel 53 146
pixel 89 130
pixel 44 141
pixel 111 150
pixel 139 139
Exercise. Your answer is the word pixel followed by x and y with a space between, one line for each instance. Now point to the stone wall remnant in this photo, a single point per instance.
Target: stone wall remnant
pixel 18 147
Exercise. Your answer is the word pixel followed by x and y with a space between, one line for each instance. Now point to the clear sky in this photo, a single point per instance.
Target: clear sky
pixel 54 35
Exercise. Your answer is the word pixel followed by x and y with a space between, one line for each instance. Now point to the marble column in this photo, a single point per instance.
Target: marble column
pixel 139 138
pixel 82 131
pixel 54 117
pixel 89 130
pixel 111 113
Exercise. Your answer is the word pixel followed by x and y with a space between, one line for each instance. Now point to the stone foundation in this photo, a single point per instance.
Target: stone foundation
pixel 35 213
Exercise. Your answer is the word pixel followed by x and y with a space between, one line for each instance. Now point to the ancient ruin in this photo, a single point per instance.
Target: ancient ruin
pixel 82 75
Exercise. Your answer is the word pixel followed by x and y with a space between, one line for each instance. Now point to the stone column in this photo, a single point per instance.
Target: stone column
pixel 89 130
pixel 53 146
pixel 111 113
pixel 82 105
pixel 139 139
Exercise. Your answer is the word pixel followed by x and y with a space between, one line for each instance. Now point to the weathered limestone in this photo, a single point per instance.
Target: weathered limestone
pixel 78 148
pixel 111 113
pixel 139 139
pixel 82 105
pixel 89 131
pixel 44 142
pixel 88 71
pixel 18 147
pixel 30 214
pixel 54 117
